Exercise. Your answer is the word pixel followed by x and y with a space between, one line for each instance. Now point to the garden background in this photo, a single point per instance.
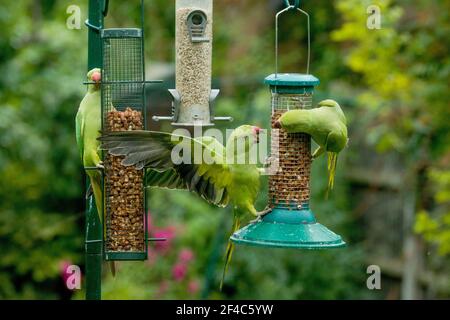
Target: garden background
pixel 391 201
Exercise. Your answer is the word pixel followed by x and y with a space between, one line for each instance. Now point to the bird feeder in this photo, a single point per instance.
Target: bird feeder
pixel 124 109
pixel 291 223
pixel 193 98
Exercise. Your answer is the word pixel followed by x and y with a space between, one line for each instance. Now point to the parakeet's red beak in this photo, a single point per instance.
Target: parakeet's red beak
pixel 96 77
pixel 256 131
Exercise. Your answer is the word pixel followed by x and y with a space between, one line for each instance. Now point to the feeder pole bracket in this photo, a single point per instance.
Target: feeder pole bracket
pixel 175 103
pixel 212 99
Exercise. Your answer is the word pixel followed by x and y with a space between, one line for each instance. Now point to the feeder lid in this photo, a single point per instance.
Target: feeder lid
pixel 292 80
pixel 283 228
pixel 121 33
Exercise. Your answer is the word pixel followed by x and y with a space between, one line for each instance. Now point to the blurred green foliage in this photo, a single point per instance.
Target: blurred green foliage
pixel 393 82
pixel 435 226
pixel 406 67
pixel 40 205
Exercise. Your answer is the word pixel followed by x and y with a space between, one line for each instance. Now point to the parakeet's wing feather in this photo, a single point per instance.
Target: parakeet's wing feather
pixel 201 168
pixel 169 179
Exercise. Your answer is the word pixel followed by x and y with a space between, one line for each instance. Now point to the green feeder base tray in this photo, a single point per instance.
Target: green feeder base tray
pixel 125 256
pixel 283 228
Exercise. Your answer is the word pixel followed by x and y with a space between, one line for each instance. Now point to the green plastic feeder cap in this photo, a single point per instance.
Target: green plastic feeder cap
pixel 284 228
pixel 295 83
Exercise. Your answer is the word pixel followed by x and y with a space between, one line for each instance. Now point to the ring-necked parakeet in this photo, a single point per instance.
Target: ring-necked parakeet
pixel 88 127
pixel 326 125
pixel 218 177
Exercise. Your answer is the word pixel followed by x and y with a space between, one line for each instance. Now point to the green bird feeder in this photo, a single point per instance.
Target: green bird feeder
pixel 125 235
pixel 291 223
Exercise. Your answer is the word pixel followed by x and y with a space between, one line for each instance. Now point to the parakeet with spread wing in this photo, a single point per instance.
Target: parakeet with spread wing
pixel 327 126
pixel 88 126
pixel 220 175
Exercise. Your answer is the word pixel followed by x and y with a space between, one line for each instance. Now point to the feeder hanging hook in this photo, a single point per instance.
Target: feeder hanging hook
pixel 104 10
pixel 294 6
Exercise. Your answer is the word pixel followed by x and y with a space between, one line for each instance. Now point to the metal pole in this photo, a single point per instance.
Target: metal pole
pixel 94 230
pixel 93 248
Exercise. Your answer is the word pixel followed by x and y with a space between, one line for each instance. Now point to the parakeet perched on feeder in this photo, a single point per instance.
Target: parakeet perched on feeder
pixel 88 126
pixel 220 175
pixel 326 125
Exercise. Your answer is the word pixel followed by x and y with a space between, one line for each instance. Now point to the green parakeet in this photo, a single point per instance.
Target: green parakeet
pixel 218 174
pixel 88 127
pixel 326 125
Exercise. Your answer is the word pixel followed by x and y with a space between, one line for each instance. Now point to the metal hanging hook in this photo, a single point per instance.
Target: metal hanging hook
pixel 296 4
pixel 104 10
pixel 289 7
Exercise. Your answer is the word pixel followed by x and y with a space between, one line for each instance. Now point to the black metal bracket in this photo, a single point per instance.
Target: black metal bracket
pixel 105 8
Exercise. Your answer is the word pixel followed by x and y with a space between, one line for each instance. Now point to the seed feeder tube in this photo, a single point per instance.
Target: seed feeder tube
pixel 193 98
pixel 291 223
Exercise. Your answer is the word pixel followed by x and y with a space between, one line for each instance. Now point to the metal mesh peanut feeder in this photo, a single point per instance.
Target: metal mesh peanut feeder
pixel 123 107
pixel 291 223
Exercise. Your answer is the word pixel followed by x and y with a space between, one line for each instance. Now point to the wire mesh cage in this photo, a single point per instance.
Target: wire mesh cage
pixel 123 109
pixel 289 186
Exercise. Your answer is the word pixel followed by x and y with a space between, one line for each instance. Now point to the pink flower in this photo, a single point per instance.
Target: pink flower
pixel 186 255
pixel 63 265
pixel 193 287
pixel 166 233
pixel 179 271
pixel 162 289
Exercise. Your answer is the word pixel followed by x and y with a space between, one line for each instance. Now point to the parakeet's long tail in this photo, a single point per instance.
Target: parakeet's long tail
pixel 230 246
pixel 332 163
pixel 96 184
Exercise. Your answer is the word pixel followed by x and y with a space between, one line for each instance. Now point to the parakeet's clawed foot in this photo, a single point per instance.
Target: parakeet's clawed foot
pixel 261 214
pixel 317 153
pixel 100 166
pixel 266 211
